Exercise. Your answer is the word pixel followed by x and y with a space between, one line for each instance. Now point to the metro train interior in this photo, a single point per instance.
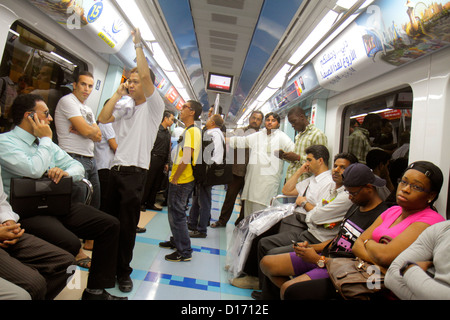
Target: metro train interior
pixel 338 59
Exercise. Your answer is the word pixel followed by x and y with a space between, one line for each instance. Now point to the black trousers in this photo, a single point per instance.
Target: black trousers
pixel 124 202
pixel 103 177
pixel 37 266
pixel 233 189
pixel 82 222
pixel 155 176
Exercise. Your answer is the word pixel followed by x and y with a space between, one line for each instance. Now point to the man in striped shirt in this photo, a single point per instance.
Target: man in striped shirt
pixel 307 136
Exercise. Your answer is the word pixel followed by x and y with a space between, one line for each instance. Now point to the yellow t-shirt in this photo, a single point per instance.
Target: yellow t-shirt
pixel 192 138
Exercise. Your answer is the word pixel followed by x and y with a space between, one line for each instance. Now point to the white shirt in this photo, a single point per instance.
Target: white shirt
pixel 331 209
pixel 68 107
pixel 214 151
pixel 103 153
pixel 264 169
pixel 136 130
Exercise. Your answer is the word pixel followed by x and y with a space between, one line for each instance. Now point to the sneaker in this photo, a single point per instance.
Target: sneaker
pixel 246 282
pixel 176 257
pixel 167 245
pixel 197 234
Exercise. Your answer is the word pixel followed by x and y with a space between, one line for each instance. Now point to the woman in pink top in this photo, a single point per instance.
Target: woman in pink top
pixel 399 226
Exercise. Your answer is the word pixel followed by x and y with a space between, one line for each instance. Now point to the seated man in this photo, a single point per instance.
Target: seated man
pixel 31 153
pixel 28 262
pixel 307 262
pixel 325 206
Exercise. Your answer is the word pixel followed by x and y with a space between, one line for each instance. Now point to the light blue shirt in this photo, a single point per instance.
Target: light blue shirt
pixel 21 157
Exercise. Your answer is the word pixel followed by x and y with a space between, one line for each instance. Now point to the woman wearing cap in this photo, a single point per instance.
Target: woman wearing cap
pixel 399 226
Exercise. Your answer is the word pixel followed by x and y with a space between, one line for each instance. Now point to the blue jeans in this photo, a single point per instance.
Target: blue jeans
pixel 90 173
pixel 176 207
pixel 200 213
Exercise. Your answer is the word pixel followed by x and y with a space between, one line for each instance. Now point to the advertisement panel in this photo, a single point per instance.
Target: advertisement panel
pixel 98 20
pixel 386 35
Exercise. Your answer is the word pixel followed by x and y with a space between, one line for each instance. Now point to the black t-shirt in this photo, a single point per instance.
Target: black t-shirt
pixel 354 224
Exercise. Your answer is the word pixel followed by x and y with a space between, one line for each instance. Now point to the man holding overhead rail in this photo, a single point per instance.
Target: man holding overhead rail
pixel 139 117
pixel 308 135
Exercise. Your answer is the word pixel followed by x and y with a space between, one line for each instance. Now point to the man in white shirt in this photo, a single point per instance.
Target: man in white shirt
pixel 139 116
pixel 264 169
pixel 77 130
pixel 200 213
pixel 309 193
pixel 104 155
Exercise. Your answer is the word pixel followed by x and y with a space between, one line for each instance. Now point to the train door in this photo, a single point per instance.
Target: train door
pixel 382 123
pixel 33 64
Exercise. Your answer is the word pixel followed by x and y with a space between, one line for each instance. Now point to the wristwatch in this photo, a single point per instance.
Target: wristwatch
pixel 303 204
pixel 321 262
pixel 138 45
pixel 406 266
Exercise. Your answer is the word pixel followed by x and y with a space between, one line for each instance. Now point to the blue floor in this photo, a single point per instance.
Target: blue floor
pixel 202 278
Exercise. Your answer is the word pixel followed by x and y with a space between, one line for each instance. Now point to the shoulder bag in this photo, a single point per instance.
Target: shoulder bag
pixel 356 279
pixel 32 197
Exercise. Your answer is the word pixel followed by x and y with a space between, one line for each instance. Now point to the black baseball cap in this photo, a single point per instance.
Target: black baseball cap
pixel 358 174
pixel 431 171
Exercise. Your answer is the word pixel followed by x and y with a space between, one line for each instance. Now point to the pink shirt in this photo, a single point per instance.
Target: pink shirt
pixel 427 215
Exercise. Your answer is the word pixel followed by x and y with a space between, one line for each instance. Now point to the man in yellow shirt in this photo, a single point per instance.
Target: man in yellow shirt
pixel 181 183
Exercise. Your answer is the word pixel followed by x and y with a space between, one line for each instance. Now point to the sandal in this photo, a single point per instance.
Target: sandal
pixel 84 263
pixel 218 224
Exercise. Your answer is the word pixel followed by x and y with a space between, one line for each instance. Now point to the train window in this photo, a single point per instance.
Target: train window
pixel 382 122
pixel 32 64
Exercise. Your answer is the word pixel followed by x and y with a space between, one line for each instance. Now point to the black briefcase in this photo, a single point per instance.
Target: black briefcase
pixel 31 197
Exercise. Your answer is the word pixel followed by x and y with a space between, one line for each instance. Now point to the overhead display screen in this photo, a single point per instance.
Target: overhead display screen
pixel 219 82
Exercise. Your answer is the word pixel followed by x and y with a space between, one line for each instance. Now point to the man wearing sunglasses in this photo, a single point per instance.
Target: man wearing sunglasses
pixel 28 151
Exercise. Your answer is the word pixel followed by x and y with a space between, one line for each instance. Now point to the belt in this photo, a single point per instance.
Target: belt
pixel 159 155
pixel 79 155
pixel 127 169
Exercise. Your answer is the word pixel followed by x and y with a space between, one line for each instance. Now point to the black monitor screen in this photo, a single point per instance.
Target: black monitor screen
pixel 219 82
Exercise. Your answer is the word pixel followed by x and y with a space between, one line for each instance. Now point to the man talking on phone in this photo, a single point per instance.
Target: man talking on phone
pixel 28 151
pixel 139 116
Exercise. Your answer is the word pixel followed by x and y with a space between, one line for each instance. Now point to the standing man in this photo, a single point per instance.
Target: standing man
pixel 264 169
pixel 159 163
pixel 77 130
pixel 139 119
pixel 239 169
pixel 181 183
pixel 213 141
pixel 308 135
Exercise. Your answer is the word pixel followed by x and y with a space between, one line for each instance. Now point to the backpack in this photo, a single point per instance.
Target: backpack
pixel 215 174
pixel 209 174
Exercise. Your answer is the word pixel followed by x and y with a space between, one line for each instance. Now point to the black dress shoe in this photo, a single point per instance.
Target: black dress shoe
pixel 257 295
pixel 154 208
pixel 125 284
pixel 103 296
pixel 140 230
